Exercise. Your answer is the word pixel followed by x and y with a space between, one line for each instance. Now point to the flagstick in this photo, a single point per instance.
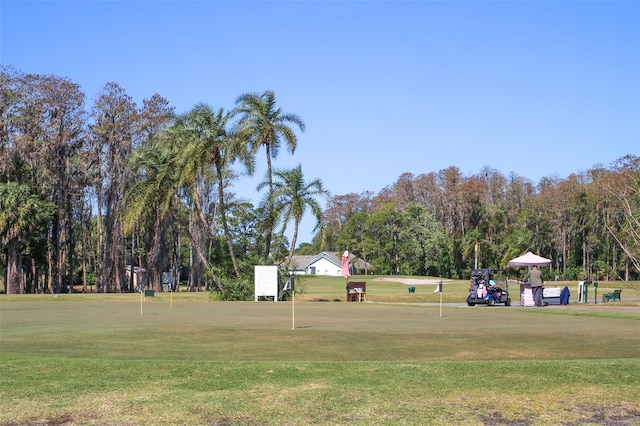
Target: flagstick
pixel 440 299
pixel 141 292
pixel 476 250
pixel 293 309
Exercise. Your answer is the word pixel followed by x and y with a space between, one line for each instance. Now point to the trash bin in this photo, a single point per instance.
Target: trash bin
pixel 412 289
pixel 585 287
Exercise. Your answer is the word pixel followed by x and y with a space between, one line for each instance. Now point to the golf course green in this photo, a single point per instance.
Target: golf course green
pixel 89 359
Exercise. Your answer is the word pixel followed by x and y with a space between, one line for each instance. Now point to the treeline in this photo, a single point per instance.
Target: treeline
pixel 441 224
pixel 86 195
pixel 89 192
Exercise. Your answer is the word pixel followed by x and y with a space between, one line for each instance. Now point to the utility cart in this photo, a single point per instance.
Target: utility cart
pixel 485 291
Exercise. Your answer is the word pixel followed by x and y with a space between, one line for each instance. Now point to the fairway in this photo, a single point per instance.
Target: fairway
pixel 70 361
pixel 263 331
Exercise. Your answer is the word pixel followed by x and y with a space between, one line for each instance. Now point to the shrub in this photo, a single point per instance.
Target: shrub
pixel 235 289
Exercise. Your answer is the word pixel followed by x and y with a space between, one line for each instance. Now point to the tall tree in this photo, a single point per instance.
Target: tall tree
pixel 149 200
pixel 41 133
pixel 262 123
pixel 292 196
pixel 620 206
pixel 151 192
pixel 210 143
pixel 356 238
pixel 22 213
pixel 383 227
pixel 422 242
pixel 112 138
pixel 337 214
pixel 63 134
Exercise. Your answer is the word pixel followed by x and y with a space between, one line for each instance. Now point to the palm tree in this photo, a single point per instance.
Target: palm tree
pixel 263 124
pixel 152 197
pixel 292 196
pixel 22 214
pixel 209 143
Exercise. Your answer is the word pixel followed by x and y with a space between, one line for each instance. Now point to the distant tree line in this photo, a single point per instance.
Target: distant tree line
pixel 87 194
pixel 588 224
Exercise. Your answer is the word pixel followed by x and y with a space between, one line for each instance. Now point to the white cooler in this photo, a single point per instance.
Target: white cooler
pixel 551 295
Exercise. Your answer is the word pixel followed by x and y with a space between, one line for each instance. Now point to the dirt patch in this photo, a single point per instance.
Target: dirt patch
pixel 607 415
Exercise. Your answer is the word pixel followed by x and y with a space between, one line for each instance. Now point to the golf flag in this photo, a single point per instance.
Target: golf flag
pixel 290 285
pixel 477 250
pixel 439 290
pixel 345 265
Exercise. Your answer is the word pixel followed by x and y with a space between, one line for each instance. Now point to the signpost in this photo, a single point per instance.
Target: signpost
pixel 266 282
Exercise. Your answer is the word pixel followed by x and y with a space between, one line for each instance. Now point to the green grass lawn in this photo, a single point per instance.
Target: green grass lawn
pixel 184 359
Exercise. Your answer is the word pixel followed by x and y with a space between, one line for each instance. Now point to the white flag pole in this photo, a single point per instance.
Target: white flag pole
pixel 476 251
pixel 293 309
pixel 441 299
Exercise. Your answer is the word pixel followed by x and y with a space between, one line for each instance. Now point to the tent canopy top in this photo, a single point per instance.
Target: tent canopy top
pixel 530 259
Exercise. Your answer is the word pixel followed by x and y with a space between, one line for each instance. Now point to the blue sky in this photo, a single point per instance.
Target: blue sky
pixel 385 87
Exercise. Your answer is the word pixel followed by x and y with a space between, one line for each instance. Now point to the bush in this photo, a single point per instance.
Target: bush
pixel 574 273
pixel 235 289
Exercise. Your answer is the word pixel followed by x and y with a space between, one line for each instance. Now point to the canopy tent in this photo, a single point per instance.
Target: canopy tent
pixel 530 259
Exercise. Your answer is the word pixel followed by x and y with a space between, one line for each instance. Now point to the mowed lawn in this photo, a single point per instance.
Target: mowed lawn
pixel 183 359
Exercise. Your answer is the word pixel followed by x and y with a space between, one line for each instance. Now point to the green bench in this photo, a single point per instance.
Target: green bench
pixel 607 297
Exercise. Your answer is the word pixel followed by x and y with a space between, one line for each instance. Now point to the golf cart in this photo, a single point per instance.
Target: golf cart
pixel 483 291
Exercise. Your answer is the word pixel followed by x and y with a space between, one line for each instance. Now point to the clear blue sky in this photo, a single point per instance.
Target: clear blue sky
pixel 539 88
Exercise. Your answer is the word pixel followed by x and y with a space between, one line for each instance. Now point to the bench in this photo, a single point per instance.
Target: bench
pixel 612 296
pixel 357 291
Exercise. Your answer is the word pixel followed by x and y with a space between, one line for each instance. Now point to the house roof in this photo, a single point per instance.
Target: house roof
pixel 300 263
pixel 331 256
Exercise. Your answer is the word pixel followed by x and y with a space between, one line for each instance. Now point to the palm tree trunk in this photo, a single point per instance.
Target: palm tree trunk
pixel 225 226
pixel 14 273
pixel 296 223
pixel 269 216
pixel 200 253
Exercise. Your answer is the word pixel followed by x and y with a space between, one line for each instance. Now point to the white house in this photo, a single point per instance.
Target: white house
pixel 326 263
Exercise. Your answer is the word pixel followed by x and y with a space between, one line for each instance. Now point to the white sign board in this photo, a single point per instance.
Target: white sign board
pixel 266 282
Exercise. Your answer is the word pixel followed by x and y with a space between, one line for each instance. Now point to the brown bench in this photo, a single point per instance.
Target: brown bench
pixel 357 291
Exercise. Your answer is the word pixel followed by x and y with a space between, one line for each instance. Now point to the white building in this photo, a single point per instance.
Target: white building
pixel 326 263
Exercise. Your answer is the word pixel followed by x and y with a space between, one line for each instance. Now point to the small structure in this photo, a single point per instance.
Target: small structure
pixel 357 291
pixel 139 276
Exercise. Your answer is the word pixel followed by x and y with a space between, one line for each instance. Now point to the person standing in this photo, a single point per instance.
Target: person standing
pixel 535 278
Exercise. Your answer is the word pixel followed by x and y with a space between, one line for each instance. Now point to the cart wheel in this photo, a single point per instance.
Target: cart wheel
pixel 471 304
pixel 507 302
pixel 491 302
